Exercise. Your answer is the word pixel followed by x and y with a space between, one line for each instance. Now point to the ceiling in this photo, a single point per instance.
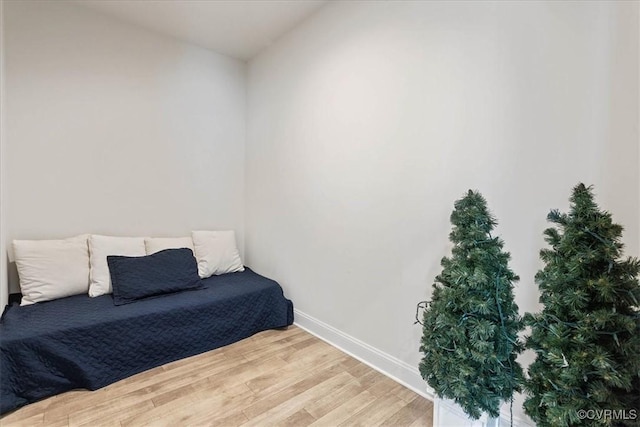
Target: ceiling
pixel 236 28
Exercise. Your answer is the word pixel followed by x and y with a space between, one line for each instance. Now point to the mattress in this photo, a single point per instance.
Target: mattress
pixel 82 342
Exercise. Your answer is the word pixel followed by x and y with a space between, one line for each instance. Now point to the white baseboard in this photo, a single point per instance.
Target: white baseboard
pixel 392 367
pixel 382 362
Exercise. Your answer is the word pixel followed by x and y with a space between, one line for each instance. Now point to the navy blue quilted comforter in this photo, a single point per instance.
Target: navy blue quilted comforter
pixel 82 342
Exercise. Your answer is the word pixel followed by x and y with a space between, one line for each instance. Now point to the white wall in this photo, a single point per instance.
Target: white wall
pixel 364 125
pixel 112 129
pixel 3 249
pixel 370 119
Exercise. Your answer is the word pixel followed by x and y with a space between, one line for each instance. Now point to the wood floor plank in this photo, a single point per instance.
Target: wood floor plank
pixel 309 364
pixel 276 348
pixel 375 413
pixel 103 399
pixel 33 420
pixel 234 420
pixel 416 409
pixel 177 412
pixel 28 412
pixel 383 386
pixel 271 400
pixel 141 385
pixel 108 413
pixel 277 377
pixel 359 369
pixel 300 419
pixel 404 393
pixel 236 373
pixel 346 410
pixel 320 407
pixel 287 408
pixel 423 422
pixel 263 340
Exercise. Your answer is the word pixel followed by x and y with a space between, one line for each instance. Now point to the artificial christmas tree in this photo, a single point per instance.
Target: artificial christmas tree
pixel 587 337
pixel 470 326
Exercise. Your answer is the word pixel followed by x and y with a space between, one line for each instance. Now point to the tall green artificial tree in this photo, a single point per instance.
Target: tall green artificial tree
pixel 587 337
pixel 470 326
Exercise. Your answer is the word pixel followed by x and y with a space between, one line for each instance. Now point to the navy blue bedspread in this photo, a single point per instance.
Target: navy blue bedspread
pixel 81 342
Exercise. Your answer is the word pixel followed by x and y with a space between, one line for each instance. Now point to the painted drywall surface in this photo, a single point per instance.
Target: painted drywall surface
pixel 3 250
pixel 111 129
pixel 624 97
pixel 369 120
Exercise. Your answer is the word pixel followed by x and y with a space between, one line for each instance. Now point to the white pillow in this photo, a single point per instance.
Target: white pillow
pixel 51 269
pixel 99 248
pixel 157 244
pixel 216 252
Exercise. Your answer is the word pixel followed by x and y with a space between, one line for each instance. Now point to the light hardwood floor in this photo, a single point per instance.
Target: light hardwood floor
pixel 275 378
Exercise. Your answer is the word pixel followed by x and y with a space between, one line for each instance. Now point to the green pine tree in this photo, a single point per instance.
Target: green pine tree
pixel 587 337
pixel 470 327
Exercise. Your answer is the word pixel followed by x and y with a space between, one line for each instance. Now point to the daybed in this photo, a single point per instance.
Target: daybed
pixel 82 342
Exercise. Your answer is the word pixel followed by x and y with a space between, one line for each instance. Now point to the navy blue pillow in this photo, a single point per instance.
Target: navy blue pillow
pixel 167 271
